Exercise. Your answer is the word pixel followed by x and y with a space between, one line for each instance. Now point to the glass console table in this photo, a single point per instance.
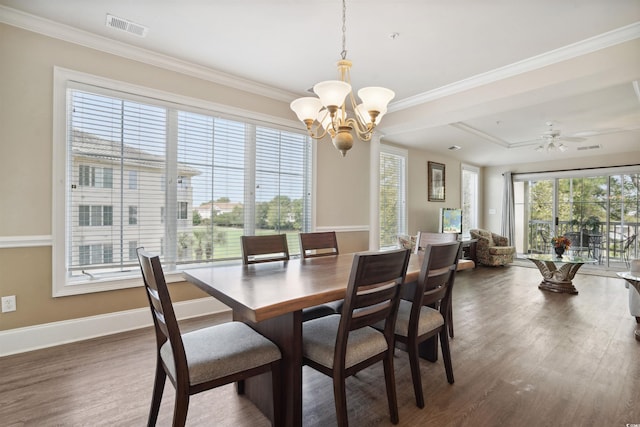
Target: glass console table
pixel 634 281
pixel 558 273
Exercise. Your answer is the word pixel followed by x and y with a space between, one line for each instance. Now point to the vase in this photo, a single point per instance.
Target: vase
pixel 559 251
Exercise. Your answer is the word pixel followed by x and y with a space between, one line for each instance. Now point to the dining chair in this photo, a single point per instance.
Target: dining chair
pixel 341 345
pixel 427 314
pixel 266 248
pixel 425 239
pixel 314 245
pixel 318 244
pixel 205 358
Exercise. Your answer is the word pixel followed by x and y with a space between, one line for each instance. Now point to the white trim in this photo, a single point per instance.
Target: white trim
pixel 343 228
pixel 7 242
pixel 576 173
pixel 30 338
pixel 69 34
pixel 590 45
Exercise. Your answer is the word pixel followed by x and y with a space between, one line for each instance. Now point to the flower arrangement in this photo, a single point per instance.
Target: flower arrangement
pixel 561 242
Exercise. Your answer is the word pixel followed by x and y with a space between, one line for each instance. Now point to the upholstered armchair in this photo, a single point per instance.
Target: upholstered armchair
pixel 492 249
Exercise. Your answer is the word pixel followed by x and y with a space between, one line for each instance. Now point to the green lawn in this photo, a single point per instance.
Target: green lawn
pixel 230 247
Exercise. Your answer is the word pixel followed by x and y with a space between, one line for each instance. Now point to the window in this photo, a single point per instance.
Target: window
pixel 95 254
pixel 158 165
pixel 133 253
pixel 183 210
pixel 133 215
pixel 95 215
pixel 392 197
pixel 469 198
pixel 133 180
pixel 91 176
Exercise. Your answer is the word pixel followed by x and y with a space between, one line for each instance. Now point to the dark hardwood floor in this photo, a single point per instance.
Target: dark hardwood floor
pixel 521 357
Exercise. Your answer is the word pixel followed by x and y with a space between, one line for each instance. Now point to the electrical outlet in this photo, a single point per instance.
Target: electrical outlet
pixel 9 303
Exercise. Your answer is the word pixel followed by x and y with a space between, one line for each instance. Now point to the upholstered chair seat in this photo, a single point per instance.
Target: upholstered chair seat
pixel 243 349
pixel 320 342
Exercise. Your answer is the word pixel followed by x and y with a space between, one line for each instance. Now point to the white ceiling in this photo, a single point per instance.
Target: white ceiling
pixel 483 75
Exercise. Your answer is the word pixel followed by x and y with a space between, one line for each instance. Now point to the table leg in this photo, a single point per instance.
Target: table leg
pixel 286 332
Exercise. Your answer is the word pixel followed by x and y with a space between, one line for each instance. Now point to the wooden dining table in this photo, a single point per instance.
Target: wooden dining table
pixel 270 298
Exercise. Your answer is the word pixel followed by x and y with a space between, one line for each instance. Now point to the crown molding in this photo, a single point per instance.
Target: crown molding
pixel 592 44
pixel 69 34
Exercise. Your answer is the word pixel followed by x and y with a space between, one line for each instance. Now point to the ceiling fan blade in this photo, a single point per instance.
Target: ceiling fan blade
pixel 571 138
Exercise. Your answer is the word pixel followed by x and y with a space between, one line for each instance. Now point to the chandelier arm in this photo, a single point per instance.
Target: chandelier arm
pixel 312 132
pixel 363 132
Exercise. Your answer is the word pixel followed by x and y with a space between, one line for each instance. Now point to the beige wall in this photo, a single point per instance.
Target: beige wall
pixel 423 214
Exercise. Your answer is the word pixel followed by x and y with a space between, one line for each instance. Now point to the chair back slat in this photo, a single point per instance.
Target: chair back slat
pixel 372 294
pixel 268 248
pixel 318 244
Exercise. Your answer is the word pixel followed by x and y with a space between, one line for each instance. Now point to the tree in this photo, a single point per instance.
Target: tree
pixel 197 219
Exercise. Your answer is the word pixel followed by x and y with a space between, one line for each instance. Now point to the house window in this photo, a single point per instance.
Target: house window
pixel 183 210
pixel 95 254
pixel 133 246
pixel 95 215
pixel 133 180
pixel 133 215
pixel 91 176
pixel 156 161
pixel 392 197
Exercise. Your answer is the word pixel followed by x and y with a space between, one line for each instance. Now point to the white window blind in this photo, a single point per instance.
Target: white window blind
pixel 392 197
pixel 180 183
pixel 470 198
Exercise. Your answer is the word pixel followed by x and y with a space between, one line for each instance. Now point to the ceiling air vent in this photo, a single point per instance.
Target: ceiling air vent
pixel 590 147
pixel 126 25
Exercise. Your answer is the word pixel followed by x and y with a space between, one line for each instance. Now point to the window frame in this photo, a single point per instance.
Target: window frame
pixel 65 79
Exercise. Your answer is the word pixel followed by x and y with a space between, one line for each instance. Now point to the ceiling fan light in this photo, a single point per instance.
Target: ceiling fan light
pixel 332 92
pixel 375 98
pixel 306 108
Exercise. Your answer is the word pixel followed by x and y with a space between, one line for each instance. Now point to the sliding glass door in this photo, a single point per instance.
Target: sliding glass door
pixel 597 209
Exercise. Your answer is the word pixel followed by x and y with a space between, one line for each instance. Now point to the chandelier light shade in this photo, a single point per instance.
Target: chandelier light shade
pixel 329 113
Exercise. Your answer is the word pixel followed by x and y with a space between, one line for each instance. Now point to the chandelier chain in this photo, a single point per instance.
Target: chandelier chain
pixel 344 29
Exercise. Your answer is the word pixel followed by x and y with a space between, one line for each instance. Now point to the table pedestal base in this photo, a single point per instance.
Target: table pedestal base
pixel 557 279
pixel 561 286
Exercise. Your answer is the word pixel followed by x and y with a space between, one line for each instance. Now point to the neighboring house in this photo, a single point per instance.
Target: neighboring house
pixel 218 208
pixel 109 181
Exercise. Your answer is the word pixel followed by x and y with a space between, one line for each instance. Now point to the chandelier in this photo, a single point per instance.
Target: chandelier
pixel 328 114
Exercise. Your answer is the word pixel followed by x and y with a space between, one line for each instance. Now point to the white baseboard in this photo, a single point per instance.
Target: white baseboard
pixel 29 338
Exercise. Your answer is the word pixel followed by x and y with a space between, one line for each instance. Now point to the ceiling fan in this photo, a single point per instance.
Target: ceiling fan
pixel 552 141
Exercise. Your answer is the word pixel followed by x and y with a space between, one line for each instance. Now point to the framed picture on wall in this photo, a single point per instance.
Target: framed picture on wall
pixel 436 181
